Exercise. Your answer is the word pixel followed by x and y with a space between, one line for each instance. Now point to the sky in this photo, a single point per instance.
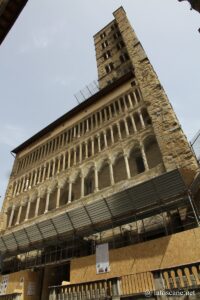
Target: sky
pixel 48 56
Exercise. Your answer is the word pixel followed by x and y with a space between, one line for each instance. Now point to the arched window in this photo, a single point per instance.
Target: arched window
pixel 119 169
pixel 137 121
pixel 52 200
pixel 64 192
pixel 122 129
pixel 136 163
pixel 146 117
pixel 76 188
pixel 89 183
pixel 152 151
pixel 104 176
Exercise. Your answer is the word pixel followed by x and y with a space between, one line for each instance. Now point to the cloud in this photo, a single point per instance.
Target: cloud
pixel 12 135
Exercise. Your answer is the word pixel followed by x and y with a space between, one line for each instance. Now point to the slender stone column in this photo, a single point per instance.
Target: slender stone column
pixel 11 216
pixel 141 119
pixel 23 183
pixel 74 131
pixel 101 119
pixel 58 196
pixel 130 100
pixel 112 181
pixel 105 114
pixel 39 176
pixel 135 97
pixel 80 153
pixel 54 167
pixel 133 123
pixel 62 139
pixel 127 166
pixel 92 142
pixel 75 156
pixel 44 172
pixel 69 158
pixel 37 206
pixel 126 127
pixel 112 135
pixel 28 210
pixel 96 120
pixel 119 131
pixel 19 214
pixel 70 192
pixel 87 125
pixel 115 109
pixel 99 143
pixel 144 157
pixel 120 106
pixel 96 179
pixel 82 185
pixel 105 139
pixel 64 162
pixel 110 111
pixel 58 170
pixel 27 184
pixel 125 105
pixel 19 186
pixel 31 179
pixel 35 178
pixel 47 201
pixel 86 150
pixel 15 189
pixel 79 129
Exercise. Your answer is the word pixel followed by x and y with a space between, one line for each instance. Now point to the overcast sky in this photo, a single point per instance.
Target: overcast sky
pixel 49 55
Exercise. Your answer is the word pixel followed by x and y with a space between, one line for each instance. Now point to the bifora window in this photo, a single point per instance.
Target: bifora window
pixel 109 68
pixel 104 44
pixel 107 55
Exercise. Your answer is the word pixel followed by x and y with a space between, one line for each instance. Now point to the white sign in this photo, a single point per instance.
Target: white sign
pixel 102 259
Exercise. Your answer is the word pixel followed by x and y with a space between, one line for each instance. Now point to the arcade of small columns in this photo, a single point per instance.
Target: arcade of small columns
pixel 119 106
pixel 131 124
pixel 122 163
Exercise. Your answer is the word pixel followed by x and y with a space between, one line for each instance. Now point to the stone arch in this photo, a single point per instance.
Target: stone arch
pixel 152 151
pixel 119 168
